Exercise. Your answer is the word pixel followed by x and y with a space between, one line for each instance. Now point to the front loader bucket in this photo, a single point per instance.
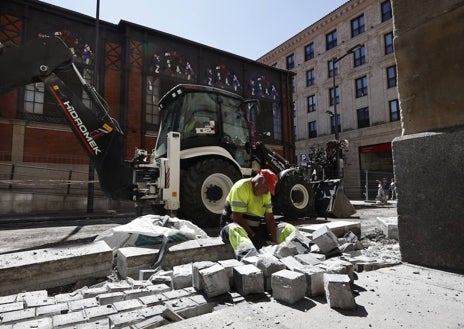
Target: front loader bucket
pixel 342 206
pixel 331 199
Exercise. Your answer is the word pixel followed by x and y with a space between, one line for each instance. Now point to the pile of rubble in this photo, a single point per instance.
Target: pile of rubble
pixel 304 266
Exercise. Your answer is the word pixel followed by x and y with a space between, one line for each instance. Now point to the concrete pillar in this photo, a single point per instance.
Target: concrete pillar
pixel 428 157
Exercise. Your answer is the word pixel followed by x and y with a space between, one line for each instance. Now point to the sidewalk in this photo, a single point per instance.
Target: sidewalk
pixel 403 296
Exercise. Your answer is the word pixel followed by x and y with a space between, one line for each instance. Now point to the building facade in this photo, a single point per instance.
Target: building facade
pixel 348 53
pixel 42 164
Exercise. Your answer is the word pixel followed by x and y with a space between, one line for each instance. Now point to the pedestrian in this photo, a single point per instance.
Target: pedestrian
pixel 381 192
pixel 247 220
pixel 386 188
pixel 394 194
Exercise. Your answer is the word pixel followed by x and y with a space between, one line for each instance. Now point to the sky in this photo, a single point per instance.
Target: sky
pixel 248 28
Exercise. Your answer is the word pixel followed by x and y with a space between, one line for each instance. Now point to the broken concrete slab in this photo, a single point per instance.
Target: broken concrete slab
pixel 389 226
pixel 339 228
pixel 30 270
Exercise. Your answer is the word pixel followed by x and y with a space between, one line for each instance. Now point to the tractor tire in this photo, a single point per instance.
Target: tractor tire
pixel 204 189
pixel 295 198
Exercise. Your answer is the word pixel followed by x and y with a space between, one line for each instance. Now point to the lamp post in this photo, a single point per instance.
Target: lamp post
pixel 91 175
pixel 335 60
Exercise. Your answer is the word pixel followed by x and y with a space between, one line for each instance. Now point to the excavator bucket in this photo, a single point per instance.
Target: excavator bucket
pixel 331 199
pixel 342 206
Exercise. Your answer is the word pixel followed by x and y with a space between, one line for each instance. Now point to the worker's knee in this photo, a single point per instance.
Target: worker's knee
pixel 284 230
pixel 237 237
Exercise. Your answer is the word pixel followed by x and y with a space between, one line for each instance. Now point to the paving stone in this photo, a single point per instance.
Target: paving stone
pixel 182 276
pixel 196 267
pixel 161 279
pixel 55 309
pixel 16 316
pixel 229 265
pixel 82 303
pixel 11 307
pixel 185 307
pixel 118 286
pixel 291 263
pixel 124 319
pixel 300 241
pixel 35 298
pixel 324 238
pixel 126 305
pixel 248 279
pixel 153 299
pixel 8 299
pixel 110 297
pixel 93 292
pixel 338 291
pixel 250 260
pixel 159 288
pixel 131 260
pixel 214 281
pixel 288 286
pixel 69 318
pixel 284 250
pixel 269 264
pixel 338 266
pixel 150 311
pixel 174 294
pixel 309 259
pixel 136 293
pixel 66 297
pixel 204 305
pixel 36 323
pixel 314 276
pixel 97 324
pixel 96 312
pixel 152 322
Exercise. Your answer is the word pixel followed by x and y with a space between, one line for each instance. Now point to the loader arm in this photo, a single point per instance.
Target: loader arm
pixel 98 133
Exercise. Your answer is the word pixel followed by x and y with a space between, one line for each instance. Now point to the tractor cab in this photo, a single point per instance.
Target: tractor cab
pixel 206 118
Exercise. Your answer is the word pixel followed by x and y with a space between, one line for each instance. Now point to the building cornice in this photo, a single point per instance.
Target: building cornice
pixel 310 31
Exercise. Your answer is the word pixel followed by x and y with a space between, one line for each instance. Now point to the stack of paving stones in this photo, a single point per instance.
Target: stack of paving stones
pixel 300 268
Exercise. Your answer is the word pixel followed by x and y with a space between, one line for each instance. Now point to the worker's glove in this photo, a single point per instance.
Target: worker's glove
pixel 258 241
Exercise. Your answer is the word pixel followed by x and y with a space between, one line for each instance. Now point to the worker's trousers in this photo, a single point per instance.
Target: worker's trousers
pixel 238 238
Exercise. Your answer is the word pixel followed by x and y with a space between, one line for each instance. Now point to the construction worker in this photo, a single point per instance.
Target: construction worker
pixel 247 220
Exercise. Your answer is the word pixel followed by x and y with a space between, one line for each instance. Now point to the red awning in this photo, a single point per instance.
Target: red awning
pixel 385 147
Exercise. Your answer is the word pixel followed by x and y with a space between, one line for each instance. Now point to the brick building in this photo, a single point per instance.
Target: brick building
pixel 365 88
pixel 42 165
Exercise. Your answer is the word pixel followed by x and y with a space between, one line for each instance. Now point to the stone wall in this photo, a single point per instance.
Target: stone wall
pixel 428 158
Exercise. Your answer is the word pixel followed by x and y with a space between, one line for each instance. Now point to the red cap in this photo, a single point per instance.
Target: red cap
pixel 271 179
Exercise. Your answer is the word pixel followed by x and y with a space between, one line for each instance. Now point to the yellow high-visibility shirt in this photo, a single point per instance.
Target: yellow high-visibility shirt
pixel 242 199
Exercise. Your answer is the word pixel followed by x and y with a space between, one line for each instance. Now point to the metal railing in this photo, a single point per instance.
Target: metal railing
pixel 34 178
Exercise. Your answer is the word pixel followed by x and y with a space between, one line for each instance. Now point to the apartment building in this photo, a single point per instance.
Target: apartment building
pixel 345 76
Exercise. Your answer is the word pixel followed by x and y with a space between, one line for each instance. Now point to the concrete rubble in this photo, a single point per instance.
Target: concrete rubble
pixel 196 277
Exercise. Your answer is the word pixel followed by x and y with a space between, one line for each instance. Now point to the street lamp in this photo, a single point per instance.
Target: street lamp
pixel 335 60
